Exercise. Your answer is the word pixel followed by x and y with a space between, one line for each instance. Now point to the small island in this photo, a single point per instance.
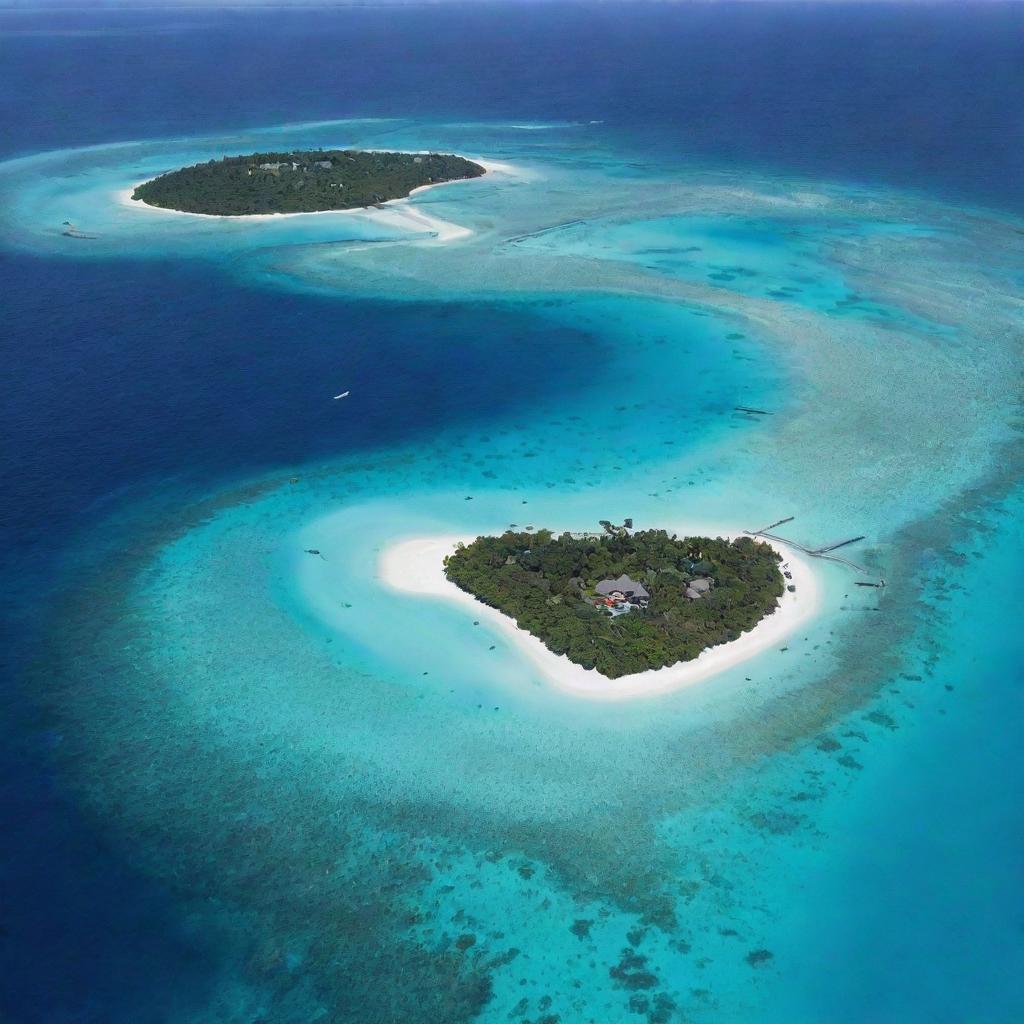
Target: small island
pixel 622 602
pixel 300 182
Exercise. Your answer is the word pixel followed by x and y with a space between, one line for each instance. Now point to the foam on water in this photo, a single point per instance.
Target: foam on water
pixel 398 819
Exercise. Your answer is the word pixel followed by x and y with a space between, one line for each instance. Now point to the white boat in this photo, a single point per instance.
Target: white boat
pixel 344 394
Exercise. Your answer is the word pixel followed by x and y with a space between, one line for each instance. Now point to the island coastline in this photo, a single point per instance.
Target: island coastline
pixel 395 213
pixel 415 566
pixel 400 213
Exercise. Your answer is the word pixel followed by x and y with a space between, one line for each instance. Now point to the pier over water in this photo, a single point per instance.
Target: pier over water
pixel 824 551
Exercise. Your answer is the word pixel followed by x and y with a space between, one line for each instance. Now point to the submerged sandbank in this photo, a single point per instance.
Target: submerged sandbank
pixel 416 566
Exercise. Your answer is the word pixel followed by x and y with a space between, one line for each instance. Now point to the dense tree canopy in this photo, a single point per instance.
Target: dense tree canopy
pixel 547 585
pixel 300 182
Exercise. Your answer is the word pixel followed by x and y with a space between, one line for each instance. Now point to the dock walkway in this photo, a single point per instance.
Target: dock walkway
pixel 818 552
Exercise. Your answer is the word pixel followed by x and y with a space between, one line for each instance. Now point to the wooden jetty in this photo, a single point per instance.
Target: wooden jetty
pixel 771 526
pixel 837 544
pixel 819 552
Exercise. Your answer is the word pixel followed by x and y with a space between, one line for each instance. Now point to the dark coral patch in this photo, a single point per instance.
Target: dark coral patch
pixel 629 972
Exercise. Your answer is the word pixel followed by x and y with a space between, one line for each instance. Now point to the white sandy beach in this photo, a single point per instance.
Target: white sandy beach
pixel 396 213
pixel 415 566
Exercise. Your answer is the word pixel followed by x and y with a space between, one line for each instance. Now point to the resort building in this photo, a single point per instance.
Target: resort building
pixel 699 587
pixel 623 589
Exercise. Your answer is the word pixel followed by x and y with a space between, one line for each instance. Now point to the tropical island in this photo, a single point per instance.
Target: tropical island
pixel 300 182
pixel 622 602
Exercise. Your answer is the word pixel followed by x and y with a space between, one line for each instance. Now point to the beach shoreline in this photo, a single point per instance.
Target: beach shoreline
pixel 415 566
pixel 395 213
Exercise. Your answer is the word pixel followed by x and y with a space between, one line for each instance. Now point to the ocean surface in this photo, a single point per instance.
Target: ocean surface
pixel 243 783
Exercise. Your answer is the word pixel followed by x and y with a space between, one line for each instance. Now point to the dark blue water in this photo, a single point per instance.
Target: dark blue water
pixel 915 95
pixel 152 370
pixel 117 384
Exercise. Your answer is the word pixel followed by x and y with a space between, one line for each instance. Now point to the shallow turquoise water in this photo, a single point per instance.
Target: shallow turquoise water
pixel 371 801
pixel 783 258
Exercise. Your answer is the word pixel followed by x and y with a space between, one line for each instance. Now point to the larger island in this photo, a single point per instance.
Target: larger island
pixel 623 602
pixel 300 182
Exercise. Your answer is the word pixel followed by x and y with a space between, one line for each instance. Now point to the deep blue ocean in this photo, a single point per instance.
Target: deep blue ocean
pixel 134 386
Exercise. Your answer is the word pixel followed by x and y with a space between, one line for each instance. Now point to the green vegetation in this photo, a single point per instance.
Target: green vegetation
pixel 547 585
pixel 301 182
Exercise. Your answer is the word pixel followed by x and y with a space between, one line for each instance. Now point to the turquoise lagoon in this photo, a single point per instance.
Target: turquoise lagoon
pixel 371 806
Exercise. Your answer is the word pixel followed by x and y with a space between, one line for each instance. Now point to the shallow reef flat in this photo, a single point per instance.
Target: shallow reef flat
pixel 399 819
